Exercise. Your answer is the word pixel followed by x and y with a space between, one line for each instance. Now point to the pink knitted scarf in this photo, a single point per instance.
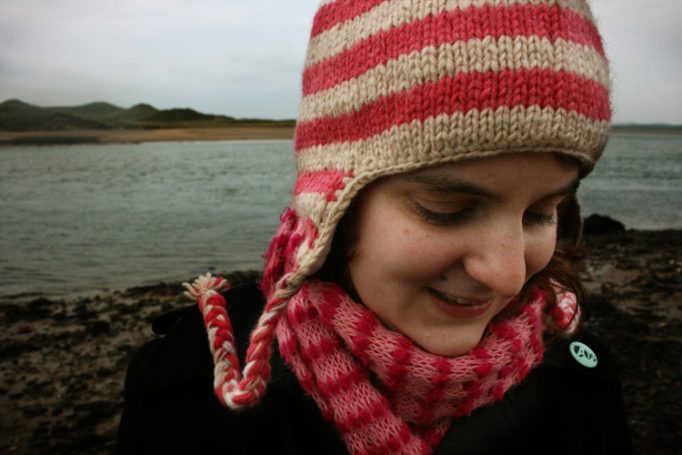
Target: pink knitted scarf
pixel 384 394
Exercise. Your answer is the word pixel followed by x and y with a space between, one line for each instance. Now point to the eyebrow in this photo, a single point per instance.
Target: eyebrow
pixel 445 184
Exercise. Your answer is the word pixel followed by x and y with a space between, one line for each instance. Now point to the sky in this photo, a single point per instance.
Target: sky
pixel 244 57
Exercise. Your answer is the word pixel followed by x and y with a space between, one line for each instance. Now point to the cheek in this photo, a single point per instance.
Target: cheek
pixel 540 252
pixel 390 245
pixel 396 252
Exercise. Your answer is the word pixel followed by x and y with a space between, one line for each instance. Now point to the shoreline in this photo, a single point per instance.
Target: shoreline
pixel 195 134
pixel 65 358
pixel 236 133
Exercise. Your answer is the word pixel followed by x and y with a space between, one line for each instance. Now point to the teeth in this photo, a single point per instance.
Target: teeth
pixel 452 299
pixel 455 300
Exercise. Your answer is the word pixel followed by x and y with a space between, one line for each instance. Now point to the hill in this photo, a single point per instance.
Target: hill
pixel 18 116
pixel 99 111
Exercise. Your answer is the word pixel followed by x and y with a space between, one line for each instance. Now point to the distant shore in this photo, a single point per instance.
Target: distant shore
pixel 236 133
pixel 124 136
pixel 617 129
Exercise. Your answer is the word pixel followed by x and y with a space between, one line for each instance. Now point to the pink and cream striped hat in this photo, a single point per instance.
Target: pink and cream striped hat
pixel 392 86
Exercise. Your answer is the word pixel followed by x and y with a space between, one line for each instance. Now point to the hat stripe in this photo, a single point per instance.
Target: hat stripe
pixel 463 93
pixel 326 182
pixel 311 206
pixel 462 136
pixel 340 28
pixel 333 13
pixel 445 26
pixel 392 77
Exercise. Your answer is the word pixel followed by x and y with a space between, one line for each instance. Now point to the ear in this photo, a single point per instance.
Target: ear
pixel 570 222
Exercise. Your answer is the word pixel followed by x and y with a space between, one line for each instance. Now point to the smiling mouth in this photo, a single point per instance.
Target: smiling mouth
pixel 460 307
pixel 458 300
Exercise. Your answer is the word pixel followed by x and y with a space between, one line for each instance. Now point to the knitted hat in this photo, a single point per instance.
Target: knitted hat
pixel 392 86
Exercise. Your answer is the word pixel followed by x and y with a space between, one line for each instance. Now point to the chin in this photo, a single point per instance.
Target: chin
pixel 448 344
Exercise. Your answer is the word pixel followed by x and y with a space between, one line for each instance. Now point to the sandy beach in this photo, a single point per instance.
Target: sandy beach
pixel 64 360
pixel 150 135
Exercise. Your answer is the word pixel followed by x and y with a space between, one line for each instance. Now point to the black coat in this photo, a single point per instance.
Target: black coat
pixel 561 407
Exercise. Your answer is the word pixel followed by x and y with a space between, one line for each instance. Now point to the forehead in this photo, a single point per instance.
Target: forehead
pixel 491 177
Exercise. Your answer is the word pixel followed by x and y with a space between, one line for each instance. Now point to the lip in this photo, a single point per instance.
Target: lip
pixel 463 308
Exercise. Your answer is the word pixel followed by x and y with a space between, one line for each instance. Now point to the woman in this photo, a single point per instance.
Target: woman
pixel 420 290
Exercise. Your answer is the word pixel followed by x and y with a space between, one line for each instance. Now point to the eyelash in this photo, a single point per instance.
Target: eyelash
pixel 442 219
pixel 538 219
pixel 447 219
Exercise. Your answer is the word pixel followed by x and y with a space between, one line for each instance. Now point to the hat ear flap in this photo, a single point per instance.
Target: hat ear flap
pixel 570 222
pixel 279 255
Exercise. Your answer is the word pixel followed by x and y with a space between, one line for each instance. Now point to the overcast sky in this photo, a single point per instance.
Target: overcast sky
pixel 244 57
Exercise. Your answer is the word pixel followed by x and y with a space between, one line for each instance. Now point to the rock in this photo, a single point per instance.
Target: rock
pixel 42 430
pixel 100 327
pixel 83 312
pixel 167 289
pixel 600 225
pixel 40 303
pixel 11 349
pixel 126 309
pixel 34 410
pixel 61 316
pixel 31 311
pixel 104 371
pixel 16 390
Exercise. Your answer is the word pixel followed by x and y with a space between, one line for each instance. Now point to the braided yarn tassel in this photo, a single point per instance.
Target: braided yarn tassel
pixel 235 389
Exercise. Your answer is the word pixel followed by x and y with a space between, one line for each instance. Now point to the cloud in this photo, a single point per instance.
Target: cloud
pixel 642 40
pixel 206 54
pixel 244 57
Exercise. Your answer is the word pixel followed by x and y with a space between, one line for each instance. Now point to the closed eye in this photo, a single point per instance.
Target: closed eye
pixel 534 219
pixel 442 218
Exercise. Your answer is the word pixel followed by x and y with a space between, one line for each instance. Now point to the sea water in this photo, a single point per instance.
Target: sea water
pixel 92 217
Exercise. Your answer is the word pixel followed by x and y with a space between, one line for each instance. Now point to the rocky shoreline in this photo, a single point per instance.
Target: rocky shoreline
pixel 64 360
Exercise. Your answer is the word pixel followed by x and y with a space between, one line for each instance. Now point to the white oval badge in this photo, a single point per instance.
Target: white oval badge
pixel 583 354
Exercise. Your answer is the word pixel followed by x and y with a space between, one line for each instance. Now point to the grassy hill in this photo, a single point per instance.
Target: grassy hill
pixel 17 116
pixel 99 111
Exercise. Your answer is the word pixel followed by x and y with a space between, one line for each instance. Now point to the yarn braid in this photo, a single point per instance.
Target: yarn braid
pixel 235 389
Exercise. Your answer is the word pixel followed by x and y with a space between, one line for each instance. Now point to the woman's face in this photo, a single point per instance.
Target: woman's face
pixel 440 252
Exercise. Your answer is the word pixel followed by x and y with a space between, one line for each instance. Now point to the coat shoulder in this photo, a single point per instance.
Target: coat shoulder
pixel 583 353
pixel 573 400
pixel 566 405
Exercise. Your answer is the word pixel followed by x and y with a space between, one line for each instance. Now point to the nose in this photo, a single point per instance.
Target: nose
pixel 498 260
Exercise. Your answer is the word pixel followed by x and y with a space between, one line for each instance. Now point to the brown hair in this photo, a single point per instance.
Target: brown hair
pixel 562 271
